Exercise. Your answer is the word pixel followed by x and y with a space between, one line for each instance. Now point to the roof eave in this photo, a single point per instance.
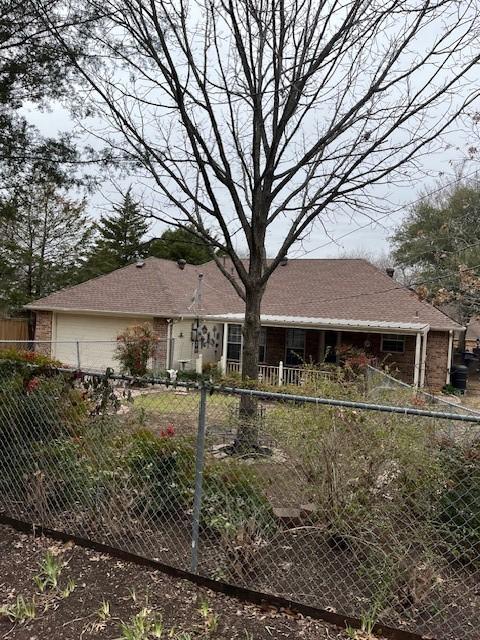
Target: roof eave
pixel 329 323
pixel 100 312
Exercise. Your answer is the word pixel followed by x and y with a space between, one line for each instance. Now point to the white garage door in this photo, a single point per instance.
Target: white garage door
pixel 96 336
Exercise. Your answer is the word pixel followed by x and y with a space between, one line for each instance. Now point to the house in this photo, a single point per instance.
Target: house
pixel 472 335
pixel 311 308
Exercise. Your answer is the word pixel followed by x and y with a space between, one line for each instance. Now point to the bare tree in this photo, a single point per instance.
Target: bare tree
pixel 257 114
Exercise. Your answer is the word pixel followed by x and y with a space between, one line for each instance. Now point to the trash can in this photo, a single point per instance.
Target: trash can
pixel 468 357
pixel 459 377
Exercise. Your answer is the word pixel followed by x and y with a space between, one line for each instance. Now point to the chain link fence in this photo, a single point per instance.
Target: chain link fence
pixel 371 511
pixel 91 355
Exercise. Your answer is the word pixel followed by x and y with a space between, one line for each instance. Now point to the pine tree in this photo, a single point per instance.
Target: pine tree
pixel 120 238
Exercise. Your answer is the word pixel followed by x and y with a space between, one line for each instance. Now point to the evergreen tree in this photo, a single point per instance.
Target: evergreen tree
pixel 33 69
pixel 175 244
pixel 42 245
pixel 438 242
pixel 119 239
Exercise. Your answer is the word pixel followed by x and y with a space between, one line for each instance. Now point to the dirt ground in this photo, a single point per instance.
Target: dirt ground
pixel 96 594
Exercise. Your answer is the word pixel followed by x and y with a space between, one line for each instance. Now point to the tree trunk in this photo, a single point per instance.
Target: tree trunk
pixel 247 440
pixel 251 334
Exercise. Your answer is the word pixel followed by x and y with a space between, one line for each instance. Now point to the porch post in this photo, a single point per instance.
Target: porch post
pixel 450 350
pixel 416 370
pixel 339 344
pixel 321 347
pixel 169 356
pixel 424 360
pixel 223 360
pixel 280 373
pixel 241 351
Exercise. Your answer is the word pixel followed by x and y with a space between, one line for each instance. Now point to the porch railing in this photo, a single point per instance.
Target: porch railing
pixel 278 375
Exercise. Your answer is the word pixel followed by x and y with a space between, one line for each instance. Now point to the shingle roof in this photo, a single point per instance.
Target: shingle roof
pixel 325 288
pixel 473 329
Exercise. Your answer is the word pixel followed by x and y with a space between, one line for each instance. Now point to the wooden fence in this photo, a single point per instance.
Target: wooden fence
pixel 13 329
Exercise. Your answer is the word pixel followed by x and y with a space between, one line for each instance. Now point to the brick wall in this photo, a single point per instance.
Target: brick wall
pixel 43 331
pixel 437 360
pixel 275 345
pixel 312 346
pixel 160 329
pixel 400 364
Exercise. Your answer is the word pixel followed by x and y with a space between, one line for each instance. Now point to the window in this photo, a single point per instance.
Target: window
pixel 262 343
pixel 393 343
pixel 295 352
pixel 234 342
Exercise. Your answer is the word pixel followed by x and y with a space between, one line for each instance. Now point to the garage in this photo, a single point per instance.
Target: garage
pixel 90 339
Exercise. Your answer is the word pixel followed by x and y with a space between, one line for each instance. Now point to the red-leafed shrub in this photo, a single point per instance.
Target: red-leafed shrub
pixel 135 346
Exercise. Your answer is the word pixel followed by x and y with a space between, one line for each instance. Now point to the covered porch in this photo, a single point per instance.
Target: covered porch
pixel 289 344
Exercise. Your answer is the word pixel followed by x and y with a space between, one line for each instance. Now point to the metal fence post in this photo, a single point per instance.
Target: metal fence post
pixel 78 357
pixel 199 464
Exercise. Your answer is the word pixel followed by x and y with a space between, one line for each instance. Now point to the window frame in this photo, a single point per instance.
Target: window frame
pixel 393 337
pixel 236 343
pixel 262 345
pixel 293 349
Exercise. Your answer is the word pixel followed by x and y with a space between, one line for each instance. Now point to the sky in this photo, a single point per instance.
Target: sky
pixel 342 236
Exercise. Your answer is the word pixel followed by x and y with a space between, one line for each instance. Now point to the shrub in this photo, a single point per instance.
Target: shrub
pixel 67 476
pixel 162 469
pixel 30 357
pixel 232 497
pixel 362 470
pixel 236 512
pixel 37 406
pixel 135 346
pixel 459 504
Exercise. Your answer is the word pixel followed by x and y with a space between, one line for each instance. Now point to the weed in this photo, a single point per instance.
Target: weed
pixel 69 589
pixel 103 612
pixel 21 611
pixel 50 569
pixel 210 619
pixel 143 626
pixel 367 621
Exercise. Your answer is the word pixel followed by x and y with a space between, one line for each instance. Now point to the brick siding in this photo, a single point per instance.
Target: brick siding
pixel 43 331
pixel 160 329
pixel 275 345
pixel 312 345
pixel 400 365
pixel 437 360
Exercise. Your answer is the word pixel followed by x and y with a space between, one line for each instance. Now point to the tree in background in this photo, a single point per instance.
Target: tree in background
pixel 33 70
pixel 439 242
pixel 42 245
pixel 176 244
pixel 119 239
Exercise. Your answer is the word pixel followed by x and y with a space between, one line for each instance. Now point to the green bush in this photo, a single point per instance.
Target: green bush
pixel 233 497
pixel 37 406
pixel 67 475
pixel 162 470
